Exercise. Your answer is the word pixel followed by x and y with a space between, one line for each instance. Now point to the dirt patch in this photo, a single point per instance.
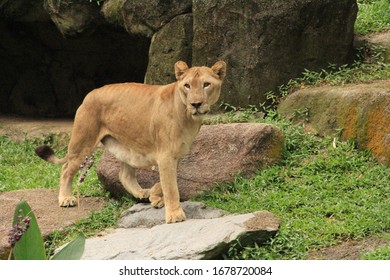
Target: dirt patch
pixel 44 204
pixel 348 250
pixel 19 129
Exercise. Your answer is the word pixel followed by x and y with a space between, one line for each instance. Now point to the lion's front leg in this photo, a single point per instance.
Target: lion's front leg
pixel 168 177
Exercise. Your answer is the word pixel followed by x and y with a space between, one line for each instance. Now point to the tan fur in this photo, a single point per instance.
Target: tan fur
pixel 143 125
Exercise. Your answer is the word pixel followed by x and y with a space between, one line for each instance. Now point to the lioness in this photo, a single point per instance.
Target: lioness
pixel 142 125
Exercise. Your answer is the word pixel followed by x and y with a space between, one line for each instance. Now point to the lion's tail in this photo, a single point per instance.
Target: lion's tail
pixel 46 153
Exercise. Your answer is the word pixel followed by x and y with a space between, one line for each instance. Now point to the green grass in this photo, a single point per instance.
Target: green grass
pixel 373 16
pixel 20 168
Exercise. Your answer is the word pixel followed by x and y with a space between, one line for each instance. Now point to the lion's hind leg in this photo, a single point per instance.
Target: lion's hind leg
pixel 85 137
pixel 156 197
pixel 65 197
pixel 129 181
pixel 69 170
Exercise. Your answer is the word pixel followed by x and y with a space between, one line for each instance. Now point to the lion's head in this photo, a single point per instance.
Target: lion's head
pixel 199 87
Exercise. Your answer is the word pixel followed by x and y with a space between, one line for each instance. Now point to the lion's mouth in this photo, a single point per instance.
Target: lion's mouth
pixel 198 112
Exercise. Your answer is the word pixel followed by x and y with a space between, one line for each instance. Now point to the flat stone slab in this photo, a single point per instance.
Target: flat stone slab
pixel 44 203
pixel 360 112
pixel 189 240
pixel 146 216
pixel 218 154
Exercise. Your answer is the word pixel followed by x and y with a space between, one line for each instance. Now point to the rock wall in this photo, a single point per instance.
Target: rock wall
pixel 54 52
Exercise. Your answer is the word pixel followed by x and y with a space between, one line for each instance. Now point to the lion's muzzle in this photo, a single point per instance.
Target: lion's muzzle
pixel 199 108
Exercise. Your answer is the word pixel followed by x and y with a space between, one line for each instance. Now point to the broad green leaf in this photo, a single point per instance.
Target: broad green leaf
pixel 72 251
pixel 30 246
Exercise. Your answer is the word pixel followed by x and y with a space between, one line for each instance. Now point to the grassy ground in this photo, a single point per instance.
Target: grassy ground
pixel 20 168
pixel 324 191
pixel 373 16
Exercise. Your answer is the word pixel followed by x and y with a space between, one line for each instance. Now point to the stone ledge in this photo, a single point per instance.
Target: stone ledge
pixel 360 111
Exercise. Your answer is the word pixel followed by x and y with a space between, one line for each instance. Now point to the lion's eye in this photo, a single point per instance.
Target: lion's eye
pixel 187 86
pixel 206 85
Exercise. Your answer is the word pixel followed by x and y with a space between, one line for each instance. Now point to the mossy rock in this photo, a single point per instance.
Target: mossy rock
pixel 358 112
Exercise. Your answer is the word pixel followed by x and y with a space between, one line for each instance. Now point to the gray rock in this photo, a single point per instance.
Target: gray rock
pixel 170 44
pixel 145 215
pixel 144 17
pixel 217 155
pixel 73 18
pixel 192 239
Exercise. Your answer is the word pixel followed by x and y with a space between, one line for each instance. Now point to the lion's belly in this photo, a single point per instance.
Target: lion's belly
pixel 127 154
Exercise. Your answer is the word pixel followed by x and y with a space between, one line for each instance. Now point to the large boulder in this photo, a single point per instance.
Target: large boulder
pixel 265 43
pixel 218 154
pixel 358 112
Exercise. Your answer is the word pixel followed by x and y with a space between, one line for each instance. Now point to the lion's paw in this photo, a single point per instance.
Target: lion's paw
pixel 156 201
pixel 67 201
pixel 175 216
pixel 156 197
pixel 144 194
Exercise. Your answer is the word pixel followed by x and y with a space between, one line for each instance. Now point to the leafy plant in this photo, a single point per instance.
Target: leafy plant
pixel 26 240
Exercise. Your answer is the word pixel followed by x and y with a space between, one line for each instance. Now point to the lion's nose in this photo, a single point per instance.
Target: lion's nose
pixel 196 105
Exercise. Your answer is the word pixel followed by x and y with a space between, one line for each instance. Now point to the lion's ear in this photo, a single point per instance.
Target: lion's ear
pixel 219 68
pixel 180 68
